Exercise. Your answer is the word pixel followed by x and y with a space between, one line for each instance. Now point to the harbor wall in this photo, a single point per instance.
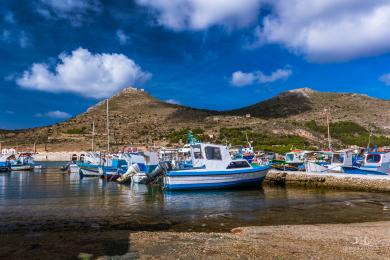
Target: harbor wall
pixel 56 156
pixel 356 182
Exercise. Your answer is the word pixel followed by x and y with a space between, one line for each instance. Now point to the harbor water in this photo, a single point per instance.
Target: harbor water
pixel 50 200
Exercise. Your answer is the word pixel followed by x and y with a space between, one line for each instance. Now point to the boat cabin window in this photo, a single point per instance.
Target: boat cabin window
pixel 197 152
pixel 338 158
pixel 373 158
pixel 213 153
pixel 238 164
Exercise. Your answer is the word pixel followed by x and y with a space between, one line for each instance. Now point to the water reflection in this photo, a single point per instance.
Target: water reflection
pixel 51 196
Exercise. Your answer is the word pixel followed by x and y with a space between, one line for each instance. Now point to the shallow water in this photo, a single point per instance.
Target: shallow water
pixel 50 201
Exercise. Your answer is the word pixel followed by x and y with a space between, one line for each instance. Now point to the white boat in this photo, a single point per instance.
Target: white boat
pixel 24 162
pixel 213 168
pixel 335 164
pixel 377 163
pixel 89 167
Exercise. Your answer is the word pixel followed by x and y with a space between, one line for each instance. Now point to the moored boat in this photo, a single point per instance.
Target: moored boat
pixel 213 168
pixel 377 163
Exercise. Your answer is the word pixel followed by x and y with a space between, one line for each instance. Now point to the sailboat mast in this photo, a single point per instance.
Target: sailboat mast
pixel 93 135
pixel 327 122
pixel 108 131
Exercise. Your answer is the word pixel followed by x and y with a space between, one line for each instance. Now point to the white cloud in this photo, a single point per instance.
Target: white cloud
pixel 76 11
pixel 385 78
pixel 329 30
pixel 84 73
pixel 122 36
pixel 201 14
pixel 240 79
pixel 54 114
pixel 173 101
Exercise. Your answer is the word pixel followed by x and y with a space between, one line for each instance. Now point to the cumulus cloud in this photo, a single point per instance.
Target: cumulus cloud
pixel 201 14
pixel 329 30
pixel 241 79
pixel 122 37
pixel 75 11
pixel 57 114
pixel 84 73
pixel 385 78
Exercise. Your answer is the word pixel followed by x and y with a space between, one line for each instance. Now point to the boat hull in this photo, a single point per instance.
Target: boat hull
pixel 22 167
pixel 90 172
pixel 357 170
pixel 194 180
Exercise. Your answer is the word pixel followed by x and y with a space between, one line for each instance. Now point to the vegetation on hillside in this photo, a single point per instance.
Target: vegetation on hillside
pixel 348 133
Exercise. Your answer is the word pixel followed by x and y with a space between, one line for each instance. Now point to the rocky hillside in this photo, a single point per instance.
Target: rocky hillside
pixel 291 118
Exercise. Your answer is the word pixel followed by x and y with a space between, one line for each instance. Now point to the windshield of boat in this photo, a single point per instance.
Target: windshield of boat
pixel 213 153
pixel 373 158
pixel 290 157
pixel 238 164
pixel 197 152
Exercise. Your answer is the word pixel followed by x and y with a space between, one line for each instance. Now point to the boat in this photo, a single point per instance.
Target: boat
pixel 5 164
pixel 130 166
pixel 330 162
pixel 89 167
pixel 213 168
pixel 377 163
pixel 24 162
pixel 295 160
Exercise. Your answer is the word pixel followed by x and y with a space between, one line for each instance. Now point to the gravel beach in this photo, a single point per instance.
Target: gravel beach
pixel 343 241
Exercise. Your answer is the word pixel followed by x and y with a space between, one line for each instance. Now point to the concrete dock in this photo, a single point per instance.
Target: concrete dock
pixel 376 183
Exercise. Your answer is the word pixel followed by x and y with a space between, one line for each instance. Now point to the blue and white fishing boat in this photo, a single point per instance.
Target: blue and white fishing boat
pixel 377 163
pixel 24 162
pixel 89 167
pixel 330 162
pixel 130 166
pixel 213 168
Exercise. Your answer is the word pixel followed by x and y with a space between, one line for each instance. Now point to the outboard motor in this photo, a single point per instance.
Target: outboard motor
pixel 126 177
pixel 161 169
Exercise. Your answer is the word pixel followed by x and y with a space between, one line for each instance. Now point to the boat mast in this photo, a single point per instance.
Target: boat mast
pixel 369 139
pixel 108 131
pixel 327 122
pixel 93 135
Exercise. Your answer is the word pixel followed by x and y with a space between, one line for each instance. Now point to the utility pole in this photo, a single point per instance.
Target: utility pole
pixel 108 131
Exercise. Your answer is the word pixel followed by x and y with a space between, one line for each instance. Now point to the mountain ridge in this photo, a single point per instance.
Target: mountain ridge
pixel 138 118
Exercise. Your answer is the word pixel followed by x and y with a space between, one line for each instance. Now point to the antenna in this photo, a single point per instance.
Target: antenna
pixel 108 131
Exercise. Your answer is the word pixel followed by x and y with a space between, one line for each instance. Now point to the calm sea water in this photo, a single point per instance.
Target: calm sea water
pixel 51 200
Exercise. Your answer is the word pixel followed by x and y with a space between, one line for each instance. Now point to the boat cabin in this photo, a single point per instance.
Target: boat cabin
pixel 377 161
pixel 214 157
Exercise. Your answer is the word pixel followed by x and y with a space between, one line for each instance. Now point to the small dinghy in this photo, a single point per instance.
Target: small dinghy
pixel 213 168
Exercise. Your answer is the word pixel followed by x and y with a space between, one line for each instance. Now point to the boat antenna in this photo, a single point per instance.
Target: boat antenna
pixel 108 131
pixel 328 125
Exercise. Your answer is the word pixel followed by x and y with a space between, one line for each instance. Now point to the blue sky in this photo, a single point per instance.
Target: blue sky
pixel 59 57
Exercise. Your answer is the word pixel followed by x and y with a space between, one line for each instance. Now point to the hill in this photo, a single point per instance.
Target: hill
pixel 294 117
